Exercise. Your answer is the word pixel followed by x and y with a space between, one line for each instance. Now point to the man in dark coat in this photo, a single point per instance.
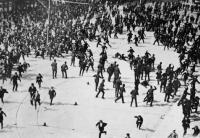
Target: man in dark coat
pixel 185 124
pixel 32 90
pixel 64 69
pixel 39 79
pixel 136 40
pixel 90 63
pixel 163 82
pixel 118 83
pixel 101 125
pixel 96 80
pixel 99 41
pixel 54 69
pixel 139 121
pixel 196 131
pixel 1 117
pixel 129 36
pixel 2 92
pixel 20 69
pixel 150 95
pixel 137 82
pixel 83 65
pixel 147 70
pixel 101 89
pixel 159 67
pixel 127 135
pixel 131 51
pixel 100 69
pixel 176 85
pixel 52 94
pixel 117 71
pixel 158 76
pixel 168 91
pixel 121 93
pixel 36 99
pixel 110 71
pixel 14 79
pixel 134 94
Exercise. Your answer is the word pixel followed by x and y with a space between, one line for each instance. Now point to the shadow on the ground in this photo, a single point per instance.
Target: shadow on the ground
pixel 45 87
pixel 157 104
pixel 57 103
pixel 147 129
pixel 11 102
pixel 29 76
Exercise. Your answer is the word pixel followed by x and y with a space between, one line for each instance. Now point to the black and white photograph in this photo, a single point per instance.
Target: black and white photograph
pixel 99 68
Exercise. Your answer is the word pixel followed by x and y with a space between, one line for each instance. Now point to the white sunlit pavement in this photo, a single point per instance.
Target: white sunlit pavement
pixel 65 120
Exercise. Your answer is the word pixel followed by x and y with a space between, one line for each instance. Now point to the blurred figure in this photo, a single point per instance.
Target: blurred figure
pixel 101 125
pixel 173 134
pixel 52 94
pixel 1 117
pixel 139 121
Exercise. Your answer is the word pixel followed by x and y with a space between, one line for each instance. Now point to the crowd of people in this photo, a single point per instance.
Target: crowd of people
pixel 69 26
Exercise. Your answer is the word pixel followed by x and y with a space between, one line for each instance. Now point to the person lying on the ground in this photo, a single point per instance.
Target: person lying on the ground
pixel 121 56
